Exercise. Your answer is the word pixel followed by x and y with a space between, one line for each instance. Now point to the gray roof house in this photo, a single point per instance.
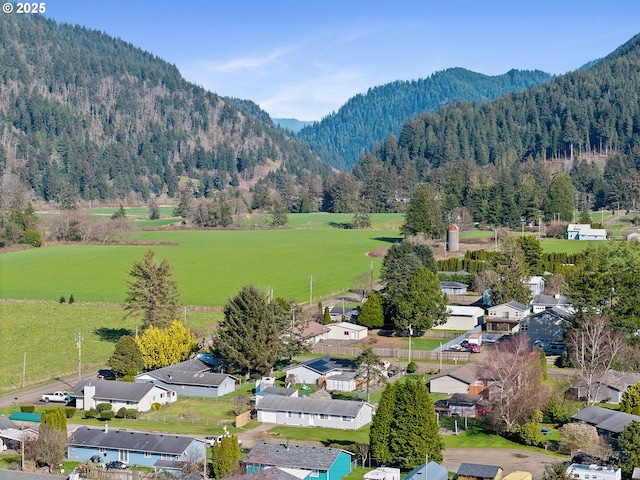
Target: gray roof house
pixel 453 288
pixel 505 317
pixel 611 387
pixel 476 471
pixel 11 434
pixel 310 371
pixel 462 379
pixel 609 423
pixel 191 378
pixel 546 329
pixel 303 461
pixel 543 302
pixel 140 396
pixel 163 452
pixel 434 472
pixel 301 411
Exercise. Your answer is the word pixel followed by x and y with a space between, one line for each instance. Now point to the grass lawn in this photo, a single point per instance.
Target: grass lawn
pixel 326 436
pixel 47 332
pixel 561 245
pixel 209 266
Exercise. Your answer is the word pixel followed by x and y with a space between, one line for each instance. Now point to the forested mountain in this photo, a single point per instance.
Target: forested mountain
pixel 292 124
pixel 369 118
pixel 84 115
pixel 501 159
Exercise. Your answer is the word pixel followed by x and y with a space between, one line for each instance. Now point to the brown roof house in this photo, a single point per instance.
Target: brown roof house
pixel 462 379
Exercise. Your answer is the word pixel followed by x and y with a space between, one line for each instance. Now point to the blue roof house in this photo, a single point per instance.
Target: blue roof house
pixel 302 461
pixel 163 452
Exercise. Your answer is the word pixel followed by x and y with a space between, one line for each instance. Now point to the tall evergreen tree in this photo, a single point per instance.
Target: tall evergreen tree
pixel 423 214
pixel 381 425
pixel 153 293
pixel 248 339
pixel 126 357
pixel 371 314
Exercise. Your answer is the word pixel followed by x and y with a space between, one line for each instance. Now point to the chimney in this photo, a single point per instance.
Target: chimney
pixel 89 393
pixel 106 427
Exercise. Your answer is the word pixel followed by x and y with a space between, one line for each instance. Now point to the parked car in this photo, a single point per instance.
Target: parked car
pixel 63 397
pixel 473 348
pixel 464 343
pixel 455 348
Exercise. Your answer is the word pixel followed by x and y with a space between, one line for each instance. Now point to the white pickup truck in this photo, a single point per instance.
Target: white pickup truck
pixel 56 397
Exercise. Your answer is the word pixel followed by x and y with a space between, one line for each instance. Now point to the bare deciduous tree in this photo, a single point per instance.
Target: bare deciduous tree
pixel 51 446
pixel 515 380
pixel 594 347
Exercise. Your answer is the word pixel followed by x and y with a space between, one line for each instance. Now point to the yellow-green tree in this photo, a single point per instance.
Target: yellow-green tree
pixel 161 348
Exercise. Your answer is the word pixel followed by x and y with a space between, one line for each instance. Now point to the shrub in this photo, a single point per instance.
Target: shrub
pixel 530 434
pixel 106 415
pixel 101 407
pixel 91 413
pixel 32 237
pixel 71 299
pixel 412 367
pixel 132 413
pixel 62 299
pixel 28 408
pixel 156 406
pixel 69 411
pixel 122 413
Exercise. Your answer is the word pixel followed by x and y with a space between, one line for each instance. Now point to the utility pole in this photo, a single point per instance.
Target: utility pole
pixel 24 369
pixel 410 333
pixel 79 339
pixel 310 290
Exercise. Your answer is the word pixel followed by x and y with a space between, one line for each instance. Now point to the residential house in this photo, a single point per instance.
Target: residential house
pixel 608 423
pixel 311 371
pixel 543 302
pixel 462 379
pixel 301 411
pixel 582 472
pixel 267 386
pixel 476 471
pixel 11 434
pixel 505 318
pixel 383 473
pixel 314 332
pixel 536 284
pixel 344 314
pixel 139 396
pixel 585 232
pixel 453 288
pixel 163 452
pixel 468 405
pixel 611 387
pixel 346 331
pixel 192 378
pixel 547 330
pixel 462 318
pixel 301 461
pixel 433 471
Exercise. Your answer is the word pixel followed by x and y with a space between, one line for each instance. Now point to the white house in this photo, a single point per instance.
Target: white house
pixel 139 396
pixel 462 318
pixel 309 412
pixel 536 284
pixel 454 288
pixel 544 302
pixel 582 231
pixel 346 331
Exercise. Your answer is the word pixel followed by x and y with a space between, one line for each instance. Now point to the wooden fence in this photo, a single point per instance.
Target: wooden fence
pixel 88 470
pixel 397 353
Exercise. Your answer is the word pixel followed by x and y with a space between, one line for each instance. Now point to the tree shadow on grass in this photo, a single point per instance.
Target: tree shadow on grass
pixel 112 334
pixel 343 443
pixel 388 239
pixel 344 226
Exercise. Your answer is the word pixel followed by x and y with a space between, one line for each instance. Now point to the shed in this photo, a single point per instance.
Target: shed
pixel 477 471
pixel 346 331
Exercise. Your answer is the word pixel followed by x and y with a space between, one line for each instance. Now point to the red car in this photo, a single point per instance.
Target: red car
pixel 473 348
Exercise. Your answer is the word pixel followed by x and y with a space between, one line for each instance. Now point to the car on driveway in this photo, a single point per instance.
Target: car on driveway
pixel 473 348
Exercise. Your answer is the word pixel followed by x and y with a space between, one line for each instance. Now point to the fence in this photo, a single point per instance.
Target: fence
pixel 99 473
pixel 183 419
pixel 397 353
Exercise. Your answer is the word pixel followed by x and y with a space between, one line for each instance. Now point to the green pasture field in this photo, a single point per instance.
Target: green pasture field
pixel 209 265
pixel 47 332
pixel 569 246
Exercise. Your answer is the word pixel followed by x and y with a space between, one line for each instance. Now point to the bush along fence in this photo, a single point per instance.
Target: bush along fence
pixel 397 353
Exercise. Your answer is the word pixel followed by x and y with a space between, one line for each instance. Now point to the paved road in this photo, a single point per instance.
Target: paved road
pixel 32 395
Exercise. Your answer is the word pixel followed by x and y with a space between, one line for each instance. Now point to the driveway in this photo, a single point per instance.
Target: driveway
pixel 509 459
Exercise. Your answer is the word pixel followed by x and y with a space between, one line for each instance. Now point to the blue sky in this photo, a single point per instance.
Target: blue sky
pixel 305 59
